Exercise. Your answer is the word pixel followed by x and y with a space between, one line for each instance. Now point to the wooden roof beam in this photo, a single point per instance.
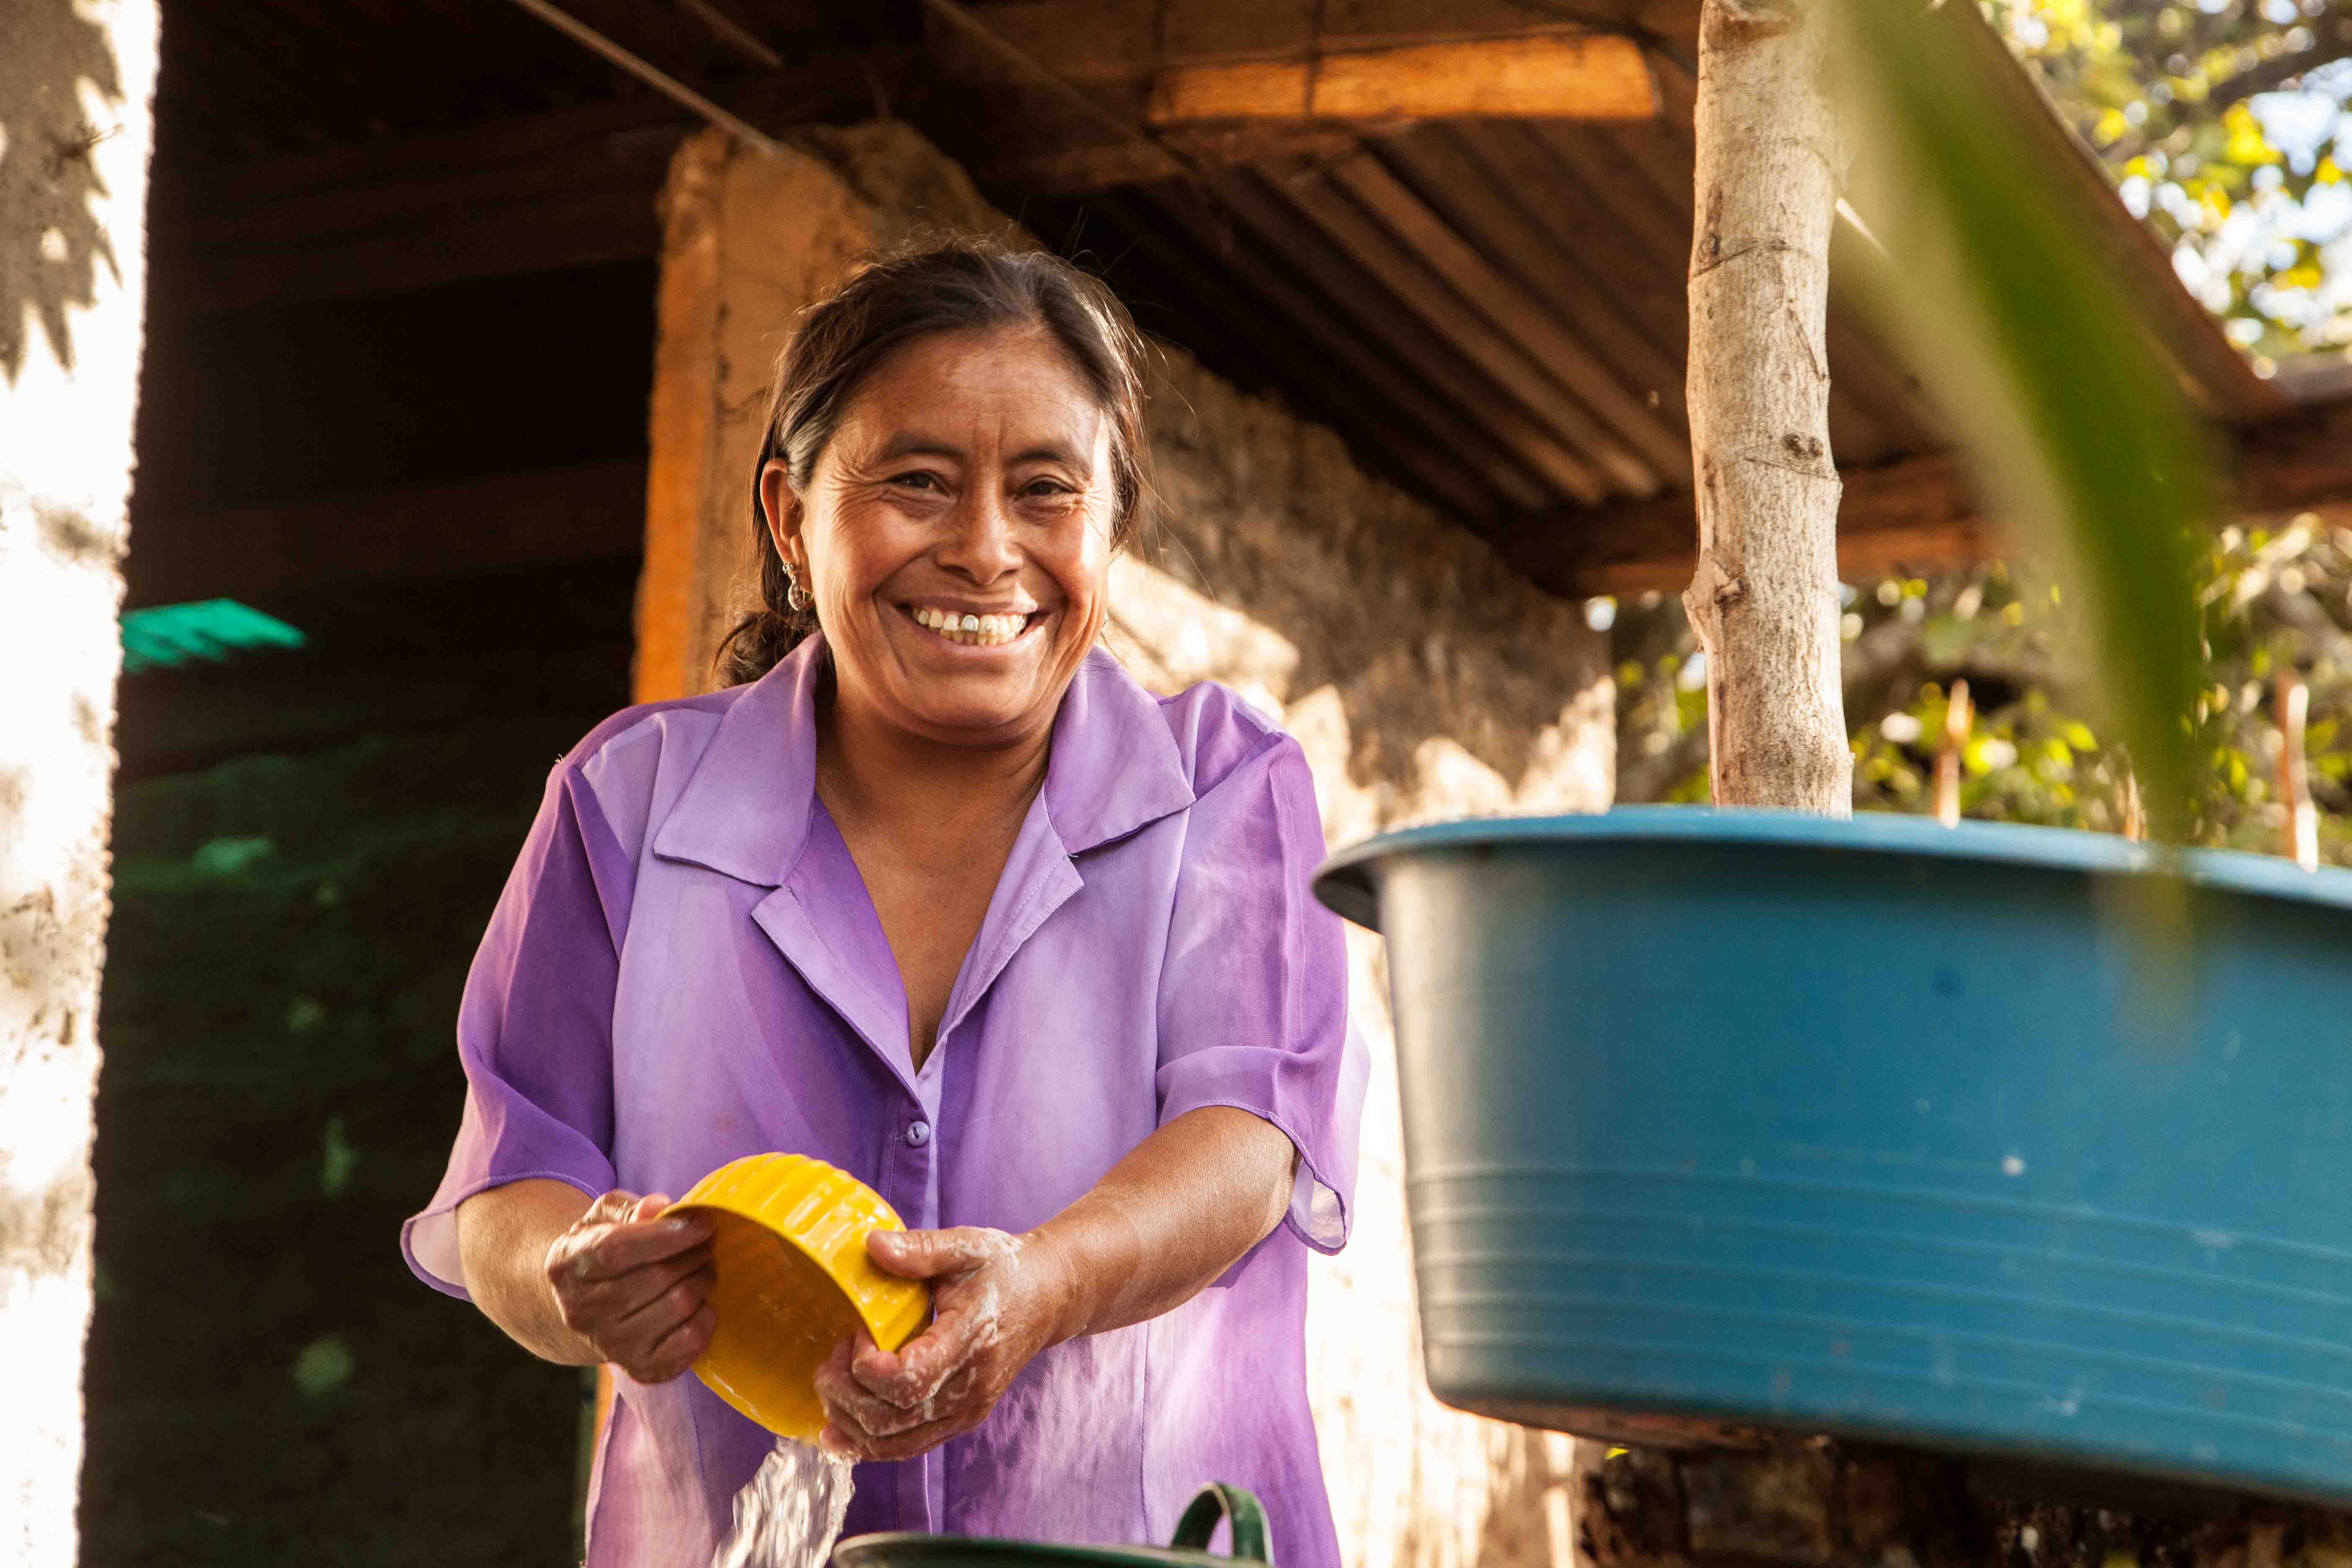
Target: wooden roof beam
pixel 570 187
pixel 1033 93
pixel 1545 76
pixel 588 511
pixel 1918 512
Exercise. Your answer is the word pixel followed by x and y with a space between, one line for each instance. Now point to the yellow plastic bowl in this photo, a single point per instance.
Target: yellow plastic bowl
pixel 794 1281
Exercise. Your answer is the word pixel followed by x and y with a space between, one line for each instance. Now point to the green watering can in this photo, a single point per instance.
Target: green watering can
pixel 1189 1548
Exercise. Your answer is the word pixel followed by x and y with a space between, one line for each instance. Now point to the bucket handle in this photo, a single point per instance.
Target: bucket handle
pixel 1219 1502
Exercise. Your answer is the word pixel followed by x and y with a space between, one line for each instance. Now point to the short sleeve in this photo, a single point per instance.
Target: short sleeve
pixel 1253 1004
pixel 535 1026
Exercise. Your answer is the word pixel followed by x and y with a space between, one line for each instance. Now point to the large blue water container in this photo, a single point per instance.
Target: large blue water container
pixel 1999 1140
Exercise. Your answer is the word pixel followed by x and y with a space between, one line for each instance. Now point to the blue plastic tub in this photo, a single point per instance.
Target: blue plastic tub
pixel 1881 1129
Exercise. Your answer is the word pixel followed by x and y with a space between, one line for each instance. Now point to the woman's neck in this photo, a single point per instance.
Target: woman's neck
pixel 935 794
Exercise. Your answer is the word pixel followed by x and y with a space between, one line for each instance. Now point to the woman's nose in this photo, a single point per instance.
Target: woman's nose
pixel 982 546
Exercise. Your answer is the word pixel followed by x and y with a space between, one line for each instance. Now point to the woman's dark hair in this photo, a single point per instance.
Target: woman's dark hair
pixel 958 285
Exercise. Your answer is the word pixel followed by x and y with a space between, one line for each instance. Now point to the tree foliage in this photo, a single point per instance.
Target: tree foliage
pixel 2228 126
pixel 2273 598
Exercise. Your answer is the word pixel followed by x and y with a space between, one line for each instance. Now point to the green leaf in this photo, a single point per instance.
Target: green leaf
pixel 2074 425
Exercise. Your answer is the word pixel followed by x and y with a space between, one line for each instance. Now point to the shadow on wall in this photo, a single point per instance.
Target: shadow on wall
pixel 53 62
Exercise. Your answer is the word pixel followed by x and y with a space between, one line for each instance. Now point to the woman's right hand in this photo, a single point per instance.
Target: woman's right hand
pixel 636 1287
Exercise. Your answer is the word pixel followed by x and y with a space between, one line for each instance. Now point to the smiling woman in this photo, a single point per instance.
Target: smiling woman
pixel 955 534
pixel 1065 322
pixel 938 894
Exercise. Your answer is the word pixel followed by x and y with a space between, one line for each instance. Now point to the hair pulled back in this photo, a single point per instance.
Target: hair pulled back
pixel 956 285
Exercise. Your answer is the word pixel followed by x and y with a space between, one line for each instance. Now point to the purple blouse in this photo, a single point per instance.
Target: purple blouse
pixel 685 968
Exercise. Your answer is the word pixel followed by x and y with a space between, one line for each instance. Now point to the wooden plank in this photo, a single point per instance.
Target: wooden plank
pixel 1882 412
pixel 2316 378
pixel 1191 30
pixel 1054 154
pixel 1374 309
pixel 561 188
pixel 1573 283
pixel 1105 40
pixel 1658 216
pixel 579 230
pixel 1083 41
pixel 1918 512
pixel 1354 402
pixel 2216 376
pixel 1674 20
pixel 1465 440
pixel 591 511
pixel 2302 459
pixel 1597 461
pixel 1549 76
pixel 1516 314
pixel 2210 367
pixel 683 422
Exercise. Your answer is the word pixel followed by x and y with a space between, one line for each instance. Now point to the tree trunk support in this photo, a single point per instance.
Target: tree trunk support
pixel 1771 166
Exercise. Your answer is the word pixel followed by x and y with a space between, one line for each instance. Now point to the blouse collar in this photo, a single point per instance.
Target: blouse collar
pixel 1115 767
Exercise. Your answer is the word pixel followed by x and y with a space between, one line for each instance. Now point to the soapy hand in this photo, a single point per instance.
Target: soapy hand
pixel 996 1301
pixel 635 1286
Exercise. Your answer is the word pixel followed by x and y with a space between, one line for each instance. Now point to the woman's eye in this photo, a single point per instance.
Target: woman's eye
pixel 1046 487
pixel 917 479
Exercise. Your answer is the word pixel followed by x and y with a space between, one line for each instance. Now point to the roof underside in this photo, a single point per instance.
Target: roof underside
pixel 1490 310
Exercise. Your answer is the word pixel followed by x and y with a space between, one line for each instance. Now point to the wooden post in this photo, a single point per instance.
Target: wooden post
pixel 1772 163
pixel 73 190
pixel 2302 826
pixel 1960 714
pixel 2133 821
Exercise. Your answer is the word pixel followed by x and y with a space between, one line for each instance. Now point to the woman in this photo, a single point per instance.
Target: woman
pixel 936 893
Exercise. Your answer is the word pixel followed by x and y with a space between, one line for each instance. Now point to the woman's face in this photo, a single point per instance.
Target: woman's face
pixel 955 535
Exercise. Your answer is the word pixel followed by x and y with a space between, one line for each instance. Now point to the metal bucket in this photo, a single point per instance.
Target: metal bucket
pixel 1881 1129
pixel 1252 1542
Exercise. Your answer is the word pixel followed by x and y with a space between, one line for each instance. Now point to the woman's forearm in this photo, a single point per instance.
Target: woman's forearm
pixel 503 1237
pixel 1182 1208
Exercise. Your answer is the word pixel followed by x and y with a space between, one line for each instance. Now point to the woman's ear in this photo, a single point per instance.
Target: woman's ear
pixel 781 505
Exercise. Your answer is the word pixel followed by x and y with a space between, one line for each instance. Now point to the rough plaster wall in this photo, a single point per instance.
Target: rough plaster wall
pixel 75 84
pixel 1425 681
pixel 1423 677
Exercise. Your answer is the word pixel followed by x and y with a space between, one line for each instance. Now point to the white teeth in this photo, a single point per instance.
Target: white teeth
pixel 970 630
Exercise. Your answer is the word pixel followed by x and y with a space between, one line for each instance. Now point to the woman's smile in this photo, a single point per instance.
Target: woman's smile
pixel 961 627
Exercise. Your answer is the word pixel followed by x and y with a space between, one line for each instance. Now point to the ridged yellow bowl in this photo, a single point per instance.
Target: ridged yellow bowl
pixel 794 1281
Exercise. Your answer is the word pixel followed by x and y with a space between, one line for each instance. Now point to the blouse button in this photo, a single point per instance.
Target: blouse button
pixel 918 1134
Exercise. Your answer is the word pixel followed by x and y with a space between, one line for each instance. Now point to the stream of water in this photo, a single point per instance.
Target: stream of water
pixel 790 1514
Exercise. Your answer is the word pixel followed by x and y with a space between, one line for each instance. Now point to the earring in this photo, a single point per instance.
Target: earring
pixel 796 598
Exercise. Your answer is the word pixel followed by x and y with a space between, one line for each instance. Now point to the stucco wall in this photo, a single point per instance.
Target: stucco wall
pixel 1423 679
pixel 75 84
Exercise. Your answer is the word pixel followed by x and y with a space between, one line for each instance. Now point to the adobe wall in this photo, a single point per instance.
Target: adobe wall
pixel 1423 677
pixel 76 82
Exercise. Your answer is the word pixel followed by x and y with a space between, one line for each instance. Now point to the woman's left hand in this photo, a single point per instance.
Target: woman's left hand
pixel 996 1301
